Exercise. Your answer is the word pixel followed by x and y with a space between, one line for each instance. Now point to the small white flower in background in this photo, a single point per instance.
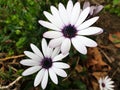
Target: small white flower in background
pixel 46 63
pixel 69 26
pixel 93 9
pixel 106 83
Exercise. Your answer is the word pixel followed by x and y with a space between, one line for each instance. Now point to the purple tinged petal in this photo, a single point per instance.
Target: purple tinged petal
pixel 86 4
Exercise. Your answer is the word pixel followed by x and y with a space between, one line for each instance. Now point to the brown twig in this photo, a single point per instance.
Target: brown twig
pixel 11 84
pixel 13 57
pixel 109 60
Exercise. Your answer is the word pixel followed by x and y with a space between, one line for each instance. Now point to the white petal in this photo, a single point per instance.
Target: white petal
pixel 110 82
pixel 44 46
pixel 56 42
pixel 61 65
pixel 69 8
pixel 87 42
pixel 52 19
pixel 87 23
pixel 98 9
pixel 100 81
pixel 92 9
pixel 82 16
pixel 39 77
pixel 65 47
pixel 86 4
pixel 75 13
pixel 44 80
pixel 32 55
pixel 90 31
pixel 49 52
pixel 60 57
pixel 36 50
pixel 56 15
pixel 106 78
pixel 48 25
pixel 55 52
pixel 80 47
pixel 60 72
pixel 52 34
pixel 31 70
pixel 53 76
pixel 63 14
pixel 29 62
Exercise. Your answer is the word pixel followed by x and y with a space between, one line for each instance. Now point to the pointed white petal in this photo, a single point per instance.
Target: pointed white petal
pixel 55 52
pixel 80 47
pixel 106 78
pixel 56 16
pixel 31 70
pixel 90 31
pixel 61 65
pixel 53 76
pixel 52 34
pixel 100 81
pixel 60 57
pixel 36 50
pixel 63 14
pixel 65 47
pixel 39 77
pixel 82 16
pixel 48 25
pixel 44 46
pixel 44 80
pixel 56 42
pixel 87 23
pixel 98 9
pixel 60 72
pixel 49 52
pixel 69 8
pixel 86 4
pixel 32 55
pixel 110 82
pixel 92 9
pixel 75 13
pixel 29 62
pixel 87 42
pixel 52 19
pixel 110 88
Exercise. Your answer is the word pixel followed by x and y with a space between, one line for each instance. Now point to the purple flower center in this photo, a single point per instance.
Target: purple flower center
pixel 46 63
pixel 69 31
pixel 103 84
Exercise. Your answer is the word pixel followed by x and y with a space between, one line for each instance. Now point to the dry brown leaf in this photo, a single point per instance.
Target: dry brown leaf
pixel 95 60
pixel 95 85
pixel 79 68
pixel 115 39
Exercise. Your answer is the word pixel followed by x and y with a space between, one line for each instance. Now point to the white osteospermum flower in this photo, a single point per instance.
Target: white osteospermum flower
pixel 46 63
pixel 106 83
pixel 69 26
pixel 93 9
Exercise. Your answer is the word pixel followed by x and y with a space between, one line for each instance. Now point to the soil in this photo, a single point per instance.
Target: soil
pixel 110 53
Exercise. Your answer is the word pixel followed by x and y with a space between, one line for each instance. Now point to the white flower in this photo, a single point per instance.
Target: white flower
pixel 46 63
pixel 69 26
pixel 106 83
pixel 93 9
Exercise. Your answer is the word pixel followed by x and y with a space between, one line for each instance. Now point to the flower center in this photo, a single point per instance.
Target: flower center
pixel 46 63
pixel 69 31
pixel 103 84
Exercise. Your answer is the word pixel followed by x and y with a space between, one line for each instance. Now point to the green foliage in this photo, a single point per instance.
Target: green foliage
pixel 113 7
pixel 19 23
